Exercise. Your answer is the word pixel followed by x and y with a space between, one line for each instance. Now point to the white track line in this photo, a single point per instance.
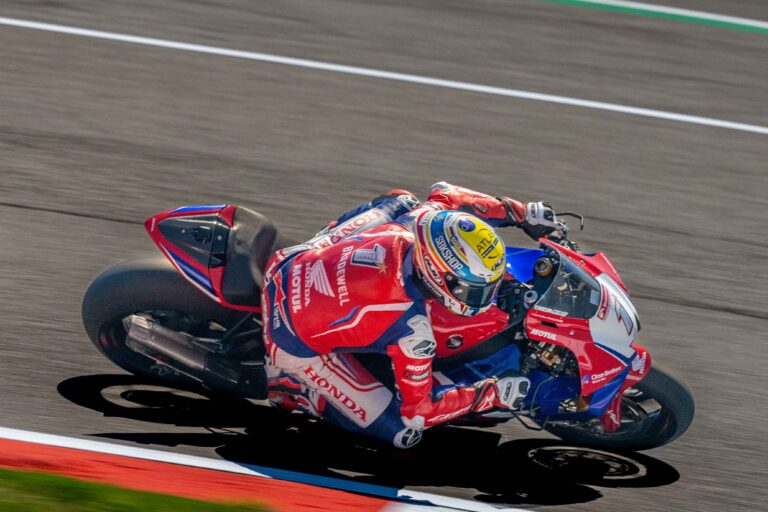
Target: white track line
pixel 438 503
pixel 386 75
pixel 747 22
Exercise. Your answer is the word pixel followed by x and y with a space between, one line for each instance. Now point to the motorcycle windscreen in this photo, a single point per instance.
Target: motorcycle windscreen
pixel 572 292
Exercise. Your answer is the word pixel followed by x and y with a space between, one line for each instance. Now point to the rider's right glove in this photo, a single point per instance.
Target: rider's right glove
pixel 511 391
pixel 536 219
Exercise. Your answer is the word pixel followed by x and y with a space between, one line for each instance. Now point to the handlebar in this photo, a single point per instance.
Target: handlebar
pixel 561 238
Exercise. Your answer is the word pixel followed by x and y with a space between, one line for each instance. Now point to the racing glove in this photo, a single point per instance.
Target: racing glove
pixel 511 391
pixel 507 392
pixel 536 219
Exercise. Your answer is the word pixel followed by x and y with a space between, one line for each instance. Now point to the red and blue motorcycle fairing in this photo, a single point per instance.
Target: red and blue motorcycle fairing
pixel 599 332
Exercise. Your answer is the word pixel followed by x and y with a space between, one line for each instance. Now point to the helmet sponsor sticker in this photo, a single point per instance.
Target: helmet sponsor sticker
pixel 448 256
pixel 466 225
pixel 487 243
pixel 433 273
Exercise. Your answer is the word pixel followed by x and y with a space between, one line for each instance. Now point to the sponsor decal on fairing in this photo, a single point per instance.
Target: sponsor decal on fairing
pixel 550 311
pixel 605 303
pixel 624 317
pixel 544 334
pixel 600 377
pixel 454 341
pixel 638 363
pixel 613 328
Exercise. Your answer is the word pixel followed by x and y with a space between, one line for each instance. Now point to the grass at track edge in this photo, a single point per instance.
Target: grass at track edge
pixel 28 491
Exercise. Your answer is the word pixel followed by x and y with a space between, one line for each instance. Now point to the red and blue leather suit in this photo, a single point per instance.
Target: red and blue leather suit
pixel 352 289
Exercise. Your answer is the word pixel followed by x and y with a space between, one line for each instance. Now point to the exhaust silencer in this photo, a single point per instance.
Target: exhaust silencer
pixel 179 352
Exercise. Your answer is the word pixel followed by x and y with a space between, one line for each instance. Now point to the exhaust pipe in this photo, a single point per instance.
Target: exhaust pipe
pixel 179 352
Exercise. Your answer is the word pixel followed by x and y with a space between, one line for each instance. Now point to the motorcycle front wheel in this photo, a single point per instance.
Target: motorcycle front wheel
pixel 638 430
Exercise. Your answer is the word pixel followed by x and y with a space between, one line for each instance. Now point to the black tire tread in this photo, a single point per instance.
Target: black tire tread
pixel 142 284
pixel 676 399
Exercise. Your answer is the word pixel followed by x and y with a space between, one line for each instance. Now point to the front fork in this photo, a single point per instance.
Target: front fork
pixel 639 368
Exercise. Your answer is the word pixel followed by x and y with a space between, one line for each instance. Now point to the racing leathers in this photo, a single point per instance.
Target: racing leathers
pixel 353 289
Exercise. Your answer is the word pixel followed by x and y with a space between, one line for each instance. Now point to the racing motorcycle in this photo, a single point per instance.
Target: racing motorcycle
pixel 564 320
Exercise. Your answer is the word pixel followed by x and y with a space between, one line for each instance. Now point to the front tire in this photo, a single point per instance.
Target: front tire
pixel 644 432
pixel 149 285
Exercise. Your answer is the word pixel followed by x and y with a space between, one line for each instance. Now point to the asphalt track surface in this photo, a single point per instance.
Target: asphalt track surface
pixel 95 136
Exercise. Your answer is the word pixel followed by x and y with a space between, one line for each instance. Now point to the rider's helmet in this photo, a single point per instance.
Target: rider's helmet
pixel 460 259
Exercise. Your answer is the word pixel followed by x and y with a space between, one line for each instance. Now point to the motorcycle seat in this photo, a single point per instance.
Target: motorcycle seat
pixel 253 238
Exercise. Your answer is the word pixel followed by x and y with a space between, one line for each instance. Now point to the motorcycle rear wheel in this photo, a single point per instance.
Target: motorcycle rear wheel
pixel 638 430
pixel 148 286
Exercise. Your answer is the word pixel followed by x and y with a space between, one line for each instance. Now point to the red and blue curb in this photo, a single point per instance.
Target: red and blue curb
pixel 211 479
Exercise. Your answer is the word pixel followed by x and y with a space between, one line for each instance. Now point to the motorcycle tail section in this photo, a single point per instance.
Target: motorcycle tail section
pixel 221 249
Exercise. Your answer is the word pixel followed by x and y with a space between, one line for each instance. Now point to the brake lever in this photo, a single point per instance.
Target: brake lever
pixel 574 215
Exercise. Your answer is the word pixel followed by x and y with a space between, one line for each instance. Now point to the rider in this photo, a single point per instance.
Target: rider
pixel 364 283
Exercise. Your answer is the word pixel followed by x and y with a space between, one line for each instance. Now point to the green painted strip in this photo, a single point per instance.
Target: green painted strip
pixel 663 15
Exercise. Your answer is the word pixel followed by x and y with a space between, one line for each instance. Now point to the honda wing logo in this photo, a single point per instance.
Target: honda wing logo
pixel 319 279
pixel 638 363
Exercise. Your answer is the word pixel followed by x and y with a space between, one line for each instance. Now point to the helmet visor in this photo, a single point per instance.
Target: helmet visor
pixel 473 295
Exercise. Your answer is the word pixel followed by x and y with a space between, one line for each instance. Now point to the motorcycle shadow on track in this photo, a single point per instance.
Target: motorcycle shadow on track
pixel 452 461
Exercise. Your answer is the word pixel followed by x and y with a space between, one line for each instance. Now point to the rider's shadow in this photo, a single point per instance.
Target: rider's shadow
pixel 459 461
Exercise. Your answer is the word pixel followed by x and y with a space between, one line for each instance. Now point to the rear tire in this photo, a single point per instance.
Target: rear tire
pixel 674 418
pixel 142 285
